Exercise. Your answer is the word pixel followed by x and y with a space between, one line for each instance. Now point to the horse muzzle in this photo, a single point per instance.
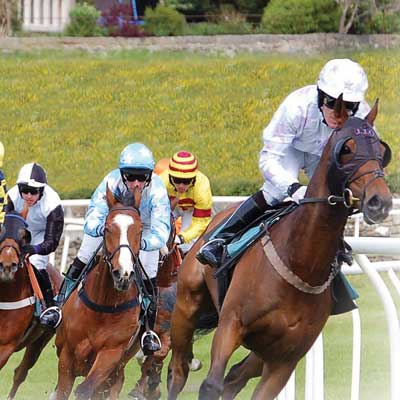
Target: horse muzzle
pixel 122 282
pixel 376 209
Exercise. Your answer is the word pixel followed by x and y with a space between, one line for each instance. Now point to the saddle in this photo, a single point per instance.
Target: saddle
pixel 342 292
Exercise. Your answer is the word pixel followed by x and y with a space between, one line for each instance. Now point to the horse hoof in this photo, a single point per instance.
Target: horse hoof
pixel 195 365
pixel 136 394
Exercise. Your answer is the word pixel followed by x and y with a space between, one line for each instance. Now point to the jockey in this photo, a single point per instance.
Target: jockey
pixel 294 140
pixel 135 171
pixel 41 206
pixel 190 195
pixel 3 188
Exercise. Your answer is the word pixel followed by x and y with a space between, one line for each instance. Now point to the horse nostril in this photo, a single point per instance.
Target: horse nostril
pixel 116 275
pixel 375 203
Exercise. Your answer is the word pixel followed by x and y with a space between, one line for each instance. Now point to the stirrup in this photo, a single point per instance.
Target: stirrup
pixel 155 340
pixel 52 312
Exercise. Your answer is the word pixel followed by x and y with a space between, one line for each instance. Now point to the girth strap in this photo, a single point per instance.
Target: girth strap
pixel 288 275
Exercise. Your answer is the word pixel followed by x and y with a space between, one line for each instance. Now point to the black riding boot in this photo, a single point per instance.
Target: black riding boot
pixel 51 315
pixel 211 252
pixel 344 253
pixel 150 341
pixel 71 276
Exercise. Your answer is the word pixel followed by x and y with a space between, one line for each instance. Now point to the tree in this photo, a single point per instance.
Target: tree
pixel 5 17
pixel 349 12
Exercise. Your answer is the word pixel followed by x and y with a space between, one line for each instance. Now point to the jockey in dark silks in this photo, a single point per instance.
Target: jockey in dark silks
pixel 41 206
pixel 3 187
pixel 294 140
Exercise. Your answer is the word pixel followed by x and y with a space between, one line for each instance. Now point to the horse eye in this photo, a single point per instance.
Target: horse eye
pixel 346 150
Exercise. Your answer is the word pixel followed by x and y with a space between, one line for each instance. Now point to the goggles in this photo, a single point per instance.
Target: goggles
pixel 136 177
pixel 25 189
pixel 329 102
pixel 184 181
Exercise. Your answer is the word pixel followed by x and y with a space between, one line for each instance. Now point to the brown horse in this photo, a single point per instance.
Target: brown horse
pixel 19 328
pixel 148 385
pixel 100 327
pixel 279 300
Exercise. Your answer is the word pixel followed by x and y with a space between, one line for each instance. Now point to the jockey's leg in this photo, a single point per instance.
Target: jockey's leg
pixel 88 247
pixel 211 253
pixel 51 315
pixel 150 341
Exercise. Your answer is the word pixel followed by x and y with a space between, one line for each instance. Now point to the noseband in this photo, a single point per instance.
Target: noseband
pixel 109 255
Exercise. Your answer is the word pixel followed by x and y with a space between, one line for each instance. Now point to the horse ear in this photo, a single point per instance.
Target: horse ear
pixel 373 113
pixel 110 197
pixel 339 108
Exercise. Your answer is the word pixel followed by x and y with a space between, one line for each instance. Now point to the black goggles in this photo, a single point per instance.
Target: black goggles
pixel 329 102
pixel 136 177
pixel 25 189
pixel 184 181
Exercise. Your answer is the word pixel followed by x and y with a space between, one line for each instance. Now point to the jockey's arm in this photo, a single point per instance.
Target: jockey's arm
pixel 156 237
pixel 202 209
pixel 54 229
pixel 3 196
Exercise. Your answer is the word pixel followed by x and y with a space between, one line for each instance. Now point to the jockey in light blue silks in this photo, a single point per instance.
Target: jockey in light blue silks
pixel 294 140
pixel 135 171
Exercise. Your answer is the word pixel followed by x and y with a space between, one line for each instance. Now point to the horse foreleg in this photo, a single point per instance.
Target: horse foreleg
pixel 226 340
pixel 240 374
pixel 31 355
pixel 66 378
pixel 182 329
pixel 273 380
pixel 105 363
pixel 5 353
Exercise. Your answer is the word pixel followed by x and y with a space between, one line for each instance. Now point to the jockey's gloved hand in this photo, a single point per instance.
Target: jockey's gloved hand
pixel 297 192
pixel 164 251
pixel 28 250
pixel 179 239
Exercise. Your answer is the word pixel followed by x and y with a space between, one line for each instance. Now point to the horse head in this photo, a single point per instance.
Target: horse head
pixel 14 235
pixel 356 167
pixel 122 237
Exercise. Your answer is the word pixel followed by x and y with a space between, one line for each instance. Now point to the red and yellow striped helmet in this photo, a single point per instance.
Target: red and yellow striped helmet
pixel 183 165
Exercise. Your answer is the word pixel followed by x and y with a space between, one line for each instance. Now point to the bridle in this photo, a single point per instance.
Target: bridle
pixel 109 255
pixel 21 262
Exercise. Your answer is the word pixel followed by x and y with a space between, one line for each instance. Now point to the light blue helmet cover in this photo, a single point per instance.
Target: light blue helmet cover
pixel 136 156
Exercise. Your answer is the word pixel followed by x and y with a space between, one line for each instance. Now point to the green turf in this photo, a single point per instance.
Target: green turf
pixel 337 353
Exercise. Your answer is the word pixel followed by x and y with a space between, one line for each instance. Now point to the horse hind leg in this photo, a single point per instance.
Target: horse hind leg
pixel 240 373
pixel 31 355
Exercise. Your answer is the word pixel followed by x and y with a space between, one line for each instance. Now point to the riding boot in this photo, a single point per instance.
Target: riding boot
pixel 150 341
pixel 344 253
pixel 212 252
pixel 73 273
pixel 51 315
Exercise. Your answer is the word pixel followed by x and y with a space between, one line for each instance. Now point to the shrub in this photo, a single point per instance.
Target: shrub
pixel 300 16
pixel 164 21
pixel 84 21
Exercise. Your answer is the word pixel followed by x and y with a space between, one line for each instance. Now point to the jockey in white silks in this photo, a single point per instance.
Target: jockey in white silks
pixel 294 140
pixel 41 206
pixel 136 164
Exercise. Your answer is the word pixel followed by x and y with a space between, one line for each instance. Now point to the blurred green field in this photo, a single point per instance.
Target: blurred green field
pixel 74 111
pixel 337 357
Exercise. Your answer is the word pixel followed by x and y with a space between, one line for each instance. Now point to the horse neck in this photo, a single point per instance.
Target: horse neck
pixel 167 272
pixel 100 287
pixel 308 239
pixel 17 289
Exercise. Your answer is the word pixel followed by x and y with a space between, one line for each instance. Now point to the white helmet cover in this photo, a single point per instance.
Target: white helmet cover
pixel 33 175
pixel 343 76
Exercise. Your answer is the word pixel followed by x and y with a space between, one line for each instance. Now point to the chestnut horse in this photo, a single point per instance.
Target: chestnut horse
pixel 279 300
pixel 100 327
pixel 19 328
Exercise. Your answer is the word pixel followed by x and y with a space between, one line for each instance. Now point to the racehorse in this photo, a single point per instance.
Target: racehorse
pixel 19 328
pixel 100 327
pixel 278 299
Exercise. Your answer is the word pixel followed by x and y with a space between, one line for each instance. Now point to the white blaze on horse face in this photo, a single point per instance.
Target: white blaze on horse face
pixel 125 257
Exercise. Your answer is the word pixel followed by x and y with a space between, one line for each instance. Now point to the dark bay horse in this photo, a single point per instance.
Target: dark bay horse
pixel 279 300
pixel 19 328
pixel 100 327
